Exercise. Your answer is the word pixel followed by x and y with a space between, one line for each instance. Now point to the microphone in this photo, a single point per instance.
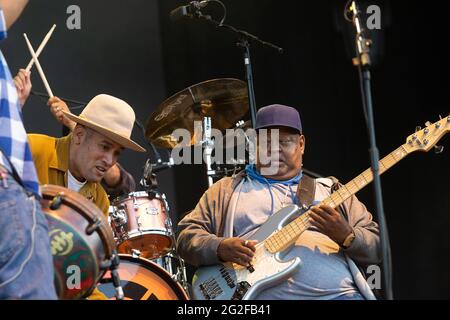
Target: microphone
pixel 188 11
pixel 148 180
pixel 162 166
pixel 151 168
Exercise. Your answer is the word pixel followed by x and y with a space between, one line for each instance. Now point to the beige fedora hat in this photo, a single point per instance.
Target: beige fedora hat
pixel 110 117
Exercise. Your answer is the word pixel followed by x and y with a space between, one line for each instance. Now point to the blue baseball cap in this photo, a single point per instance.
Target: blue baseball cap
pixel 278 115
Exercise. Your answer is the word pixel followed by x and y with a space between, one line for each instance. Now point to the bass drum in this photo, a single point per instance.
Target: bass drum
pixel 142 279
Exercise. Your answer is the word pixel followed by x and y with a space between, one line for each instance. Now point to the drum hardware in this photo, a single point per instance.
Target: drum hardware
pixel 119 216
pixel 135 253
pixel 149 180
pixel 112 265
pixel 166 204
pixel 115 263
pixel 95 224
pixel 180 276
pixel 168 223
pixel 208 146
pixel 56 203
pixel 135 205
pixel 143 279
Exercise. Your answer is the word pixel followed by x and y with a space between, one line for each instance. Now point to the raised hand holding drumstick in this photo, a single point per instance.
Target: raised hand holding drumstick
pixel 22 80
pixel 57 106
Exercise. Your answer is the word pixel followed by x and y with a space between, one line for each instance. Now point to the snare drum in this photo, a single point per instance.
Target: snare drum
pixel 81 241
pixel 141 223
pixel 142 279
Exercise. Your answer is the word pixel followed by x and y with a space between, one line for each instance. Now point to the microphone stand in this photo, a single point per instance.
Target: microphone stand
pixel 244 42
pixel 363 62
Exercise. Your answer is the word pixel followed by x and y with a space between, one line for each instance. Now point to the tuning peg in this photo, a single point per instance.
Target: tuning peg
pixel 428 123
pixel 418 129
pixel 438 149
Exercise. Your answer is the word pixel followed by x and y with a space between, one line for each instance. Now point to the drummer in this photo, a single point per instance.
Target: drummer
pixel 80 161
pixel 117 181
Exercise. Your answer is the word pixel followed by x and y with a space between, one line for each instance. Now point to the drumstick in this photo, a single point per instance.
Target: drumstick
pixel 41 47
pixel 38 66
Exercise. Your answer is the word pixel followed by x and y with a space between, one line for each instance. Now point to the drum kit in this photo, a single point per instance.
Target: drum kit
pixel 87 247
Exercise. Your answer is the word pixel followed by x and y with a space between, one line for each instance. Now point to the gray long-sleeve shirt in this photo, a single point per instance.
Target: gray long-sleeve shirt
pixel 201 231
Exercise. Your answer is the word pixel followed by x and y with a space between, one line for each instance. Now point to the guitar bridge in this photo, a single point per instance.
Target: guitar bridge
pixel 241 290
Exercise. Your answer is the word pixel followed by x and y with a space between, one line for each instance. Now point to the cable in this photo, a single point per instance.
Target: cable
pixel 155 151
pixel 79 104
pixel 222 21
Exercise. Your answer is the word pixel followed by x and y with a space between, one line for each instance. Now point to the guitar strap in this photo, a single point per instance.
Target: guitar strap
pixel 306 191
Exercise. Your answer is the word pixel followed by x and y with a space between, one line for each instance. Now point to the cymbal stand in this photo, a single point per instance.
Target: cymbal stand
pixel 208 145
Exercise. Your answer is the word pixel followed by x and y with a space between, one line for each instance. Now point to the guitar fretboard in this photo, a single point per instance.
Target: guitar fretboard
pixel 283 238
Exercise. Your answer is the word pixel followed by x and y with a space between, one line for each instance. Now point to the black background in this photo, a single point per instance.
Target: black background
pixel 132 50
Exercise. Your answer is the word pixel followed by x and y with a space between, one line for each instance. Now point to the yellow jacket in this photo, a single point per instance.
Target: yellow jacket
pixel 51 158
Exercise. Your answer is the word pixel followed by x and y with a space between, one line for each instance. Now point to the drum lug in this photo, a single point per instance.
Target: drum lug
pixel 135 204
pixel 93 226
pixel 166 204
pixel 135 253
pixel 57 201
pixel 168 223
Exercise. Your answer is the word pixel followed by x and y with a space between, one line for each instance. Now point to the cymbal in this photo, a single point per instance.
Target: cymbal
pixel 224 100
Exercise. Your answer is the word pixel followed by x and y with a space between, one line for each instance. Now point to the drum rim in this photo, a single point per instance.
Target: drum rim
pixel 161 272
pixel 145 232
pixel 137 194
pixel 122 241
